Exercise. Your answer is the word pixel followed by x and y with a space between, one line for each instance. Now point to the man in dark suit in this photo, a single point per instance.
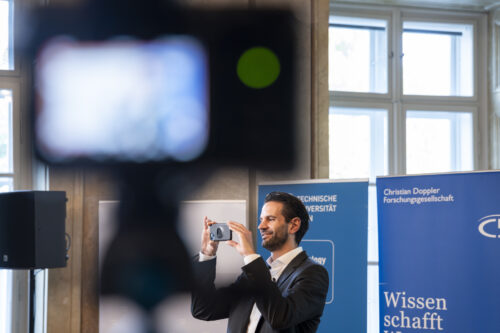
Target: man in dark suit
pixel 287 295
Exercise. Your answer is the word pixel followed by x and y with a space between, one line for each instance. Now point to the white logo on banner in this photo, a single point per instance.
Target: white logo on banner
pixel 486 221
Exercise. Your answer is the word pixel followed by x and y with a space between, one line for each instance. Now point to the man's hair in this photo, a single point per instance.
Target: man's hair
pixel 292 207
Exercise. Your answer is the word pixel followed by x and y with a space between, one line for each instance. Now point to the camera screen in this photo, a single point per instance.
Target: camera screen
pixel 122 100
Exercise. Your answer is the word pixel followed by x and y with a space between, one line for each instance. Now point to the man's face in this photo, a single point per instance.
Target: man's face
pixel 273 227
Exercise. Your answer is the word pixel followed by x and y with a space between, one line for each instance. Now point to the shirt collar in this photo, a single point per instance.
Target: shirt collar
pixel 285 259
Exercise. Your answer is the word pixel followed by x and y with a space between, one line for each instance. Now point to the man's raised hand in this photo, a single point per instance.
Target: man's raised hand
pixel 245 244
pixel 208 247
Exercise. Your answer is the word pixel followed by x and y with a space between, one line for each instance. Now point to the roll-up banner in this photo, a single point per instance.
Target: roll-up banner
pixel 336 239
pixel 439 243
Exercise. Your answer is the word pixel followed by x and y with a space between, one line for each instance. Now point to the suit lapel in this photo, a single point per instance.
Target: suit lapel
pixel 297 261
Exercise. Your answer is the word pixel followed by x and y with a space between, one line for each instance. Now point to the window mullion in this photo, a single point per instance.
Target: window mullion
pixel 397 141
pixel 455 138
pixel 397 47
pixel 454 66
pixel 378 147
pixel 373 55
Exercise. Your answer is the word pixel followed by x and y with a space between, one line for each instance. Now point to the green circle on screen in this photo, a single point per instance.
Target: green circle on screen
pixel 258 67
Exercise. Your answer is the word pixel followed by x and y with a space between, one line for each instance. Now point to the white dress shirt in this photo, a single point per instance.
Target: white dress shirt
pixel 277 267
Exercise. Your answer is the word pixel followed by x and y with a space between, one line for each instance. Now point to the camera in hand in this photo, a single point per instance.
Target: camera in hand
pixel 220 232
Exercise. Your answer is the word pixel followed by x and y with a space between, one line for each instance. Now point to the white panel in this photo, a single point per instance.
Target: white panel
pixel 190 224
pixel 174 314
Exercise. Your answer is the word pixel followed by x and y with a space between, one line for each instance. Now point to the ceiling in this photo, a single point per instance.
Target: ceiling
pixel 476 5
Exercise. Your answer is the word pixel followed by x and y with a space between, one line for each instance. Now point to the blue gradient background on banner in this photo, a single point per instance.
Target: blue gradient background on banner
pixel 434 250
pixel 342 235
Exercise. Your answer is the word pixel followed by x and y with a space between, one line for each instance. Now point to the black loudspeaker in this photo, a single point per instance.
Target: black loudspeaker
pixel 32 229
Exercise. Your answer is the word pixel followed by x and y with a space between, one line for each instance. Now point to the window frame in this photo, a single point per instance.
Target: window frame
pixel 16 72
pixel 17 80
pixel 451 17
pixel 21 175
pixel 353 103
pixel 368 14
pixel 398 104
pixel 15 87
pixel 395 96
pixel 444 108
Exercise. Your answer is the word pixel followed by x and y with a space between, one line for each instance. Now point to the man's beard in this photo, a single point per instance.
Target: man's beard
pixel 278 238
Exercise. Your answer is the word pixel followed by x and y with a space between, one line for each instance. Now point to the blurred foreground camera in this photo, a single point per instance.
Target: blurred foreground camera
pixel 220 232
pixel 162 94
pixel 161 84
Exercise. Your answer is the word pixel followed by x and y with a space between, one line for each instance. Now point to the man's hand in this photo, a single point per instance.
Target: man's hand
pixel 208 247
pixel 245 246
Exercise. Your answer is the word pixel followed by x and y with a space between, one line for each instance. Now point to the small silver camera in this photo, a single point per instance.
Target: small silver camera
pixel 220 232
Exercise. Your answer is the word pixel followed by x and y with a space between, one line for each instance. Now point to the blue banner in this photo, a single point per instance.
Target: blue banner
pixel 439 243
pixel 337 239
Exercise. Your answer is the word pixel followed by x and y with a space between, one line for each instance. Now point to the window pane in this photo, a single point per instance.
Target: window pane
pixel 5 300
pixel 437 59
pixel 358 54
pixel 439 141
pixel 5 131
pixel 6 184
pixel 358 142
pixel 6 35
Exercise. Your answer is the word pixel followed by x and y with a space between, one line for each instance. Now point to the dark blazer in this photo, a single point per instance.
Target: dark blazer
pixel 292 304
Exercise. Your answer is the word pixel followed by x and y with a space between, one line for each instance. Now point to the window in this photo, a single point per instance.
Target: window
pixel 6 163
pixel 439 51
pixel 358 54
pixel 6 184
pixel 6 154
pixel 15 162
pixel 366 155
pixel 6 35
pixel 405 98
pixel 438 141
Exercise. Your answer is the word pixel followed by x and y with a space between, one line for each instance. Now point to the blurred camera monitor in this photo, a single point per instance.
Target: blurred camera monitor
pixel 121 100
